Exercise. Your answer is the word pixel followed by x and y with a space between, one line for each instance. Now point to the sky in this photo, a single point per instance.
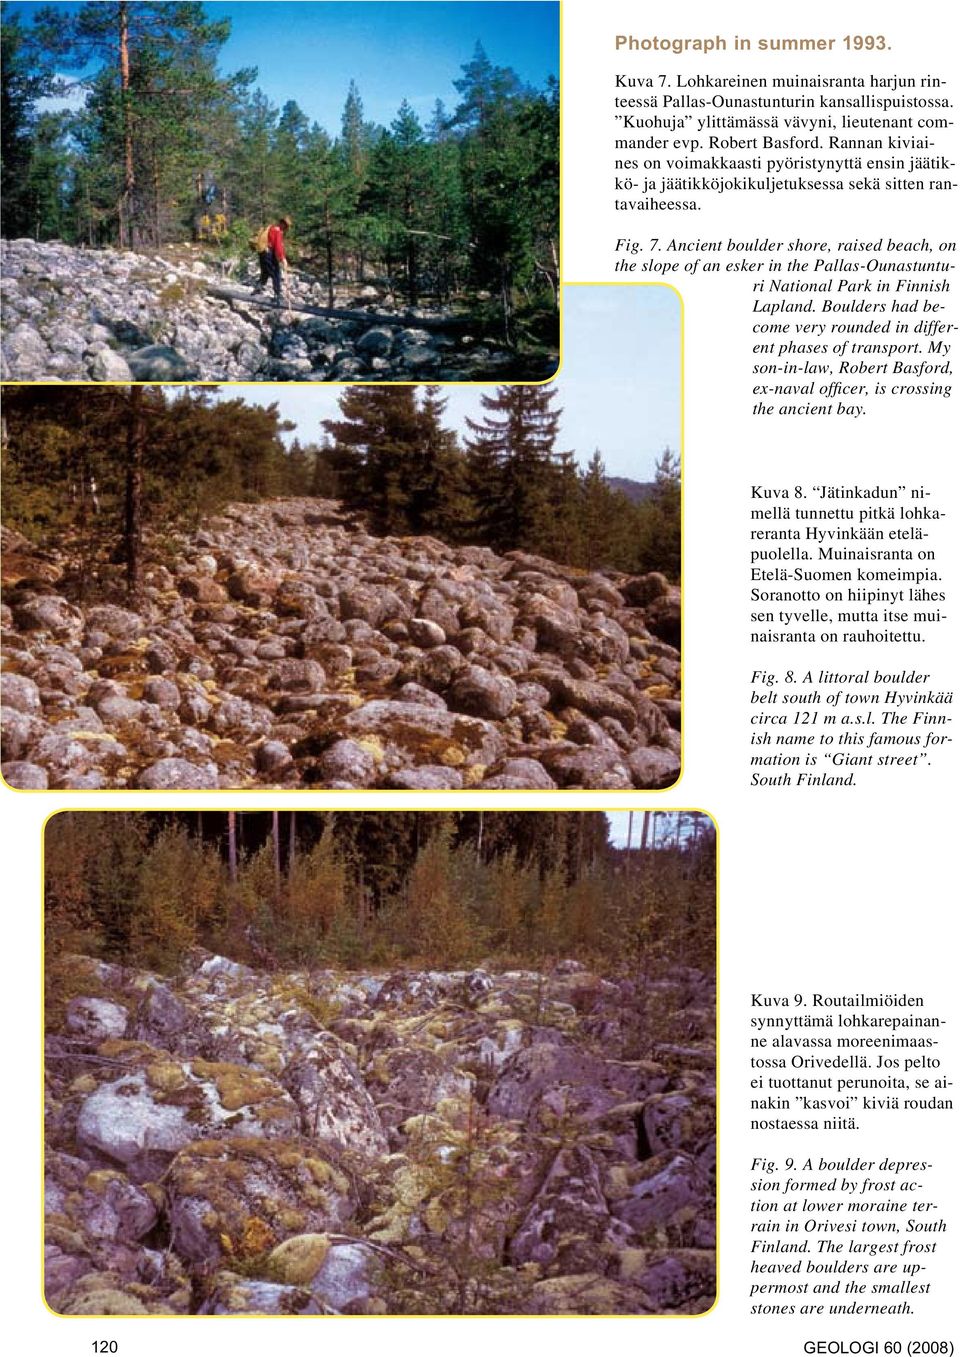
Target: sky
pixel 619 827
pixel 619 386
pixel 309 50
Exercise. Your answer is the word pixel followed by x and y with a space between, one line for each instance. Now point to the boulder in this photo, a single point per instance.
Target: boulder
pixel 242 1196
pixel 174 775
pixel 159 363
pixel 656 1190
pixel 568 1221
pixel 141 1119
pixel 108 366
pixel 20 693
pixel 409 733
pixel 335 1105
pixel 478 692
pixel 96 1020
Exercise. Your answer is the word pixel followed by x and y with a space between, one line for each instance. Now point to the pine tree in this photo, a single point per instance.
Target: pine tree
pixel 160 60
pixel 330 201
pixel 396 193
pixel 354 148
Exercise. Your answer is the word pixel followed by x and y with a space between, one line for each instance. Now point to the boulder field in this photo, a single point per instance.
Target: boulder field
pixel 78 315
pixel 227 1141
pixel 282 645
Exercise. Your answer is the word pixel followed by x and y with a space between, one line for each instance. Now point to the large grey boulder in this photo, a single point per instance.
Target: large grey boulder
pixel 178 775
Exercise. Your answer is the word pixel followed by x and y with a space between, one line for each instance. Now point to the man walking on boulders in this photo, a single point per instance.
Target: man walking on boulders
pixel 273 259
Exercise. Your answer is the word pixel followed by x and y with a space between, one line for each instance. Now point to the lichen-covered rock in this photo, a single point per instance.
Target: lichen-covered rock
pixel 332 1142
pixel 654 1191
pixel 96 1019
pixel 335 1105
pixel 19 693
pixel 25 776
pixel 346 1277
pixel 240 1197
pixel 479 693
pixel 682 1280
pixel 230 1294
pixel 178 775
pixel 408 733
pixel 410 1081
pixel 568 1220
pixel 142 1118
pixel 340 1274
pixel 594 1084
pixel 586 1293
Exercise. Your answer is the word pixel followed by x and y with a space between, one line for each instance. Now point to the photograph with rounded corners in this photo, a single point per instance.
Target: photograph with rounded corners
pixel 380 1063
pixel 377 587
pixel 281 192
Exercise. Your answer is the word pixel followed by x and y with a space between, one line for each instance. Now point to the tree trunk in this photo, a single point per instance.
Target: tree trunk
pixel 646 831
pixel 291 855
pixel 133 504
pixel 276 853
pixel 232 845
pixel 157 209
pixel 125 205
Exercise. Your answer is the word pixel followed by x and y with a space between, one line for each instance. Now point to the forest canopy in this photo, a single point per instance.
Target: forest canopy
pixel 68 460
pixel 166 147
pixel 349 888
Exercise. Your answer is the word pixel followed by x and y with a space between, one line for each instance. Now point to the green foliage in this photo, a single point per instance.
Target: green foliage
pixel 164 139
pixel 380 439
pixel 509 488
pixel 66 460
pixel 179 884
pixel 436 918
pixel 376 888
pixel 31 150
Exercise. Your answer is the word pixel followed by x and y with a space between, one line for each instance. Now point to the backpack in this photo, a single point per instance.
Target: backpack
pixel 259 242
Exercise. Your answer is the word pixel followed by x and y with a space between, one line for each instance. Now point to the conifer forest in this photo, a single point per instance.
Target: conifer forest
pixel 363 1063
pixel 97 470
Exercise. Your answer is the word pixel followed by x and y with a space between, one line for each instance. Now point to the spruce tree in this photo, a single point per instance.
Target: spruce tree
pixel 381 427
pixel 290 146
pixel 440 503
pixel 512 449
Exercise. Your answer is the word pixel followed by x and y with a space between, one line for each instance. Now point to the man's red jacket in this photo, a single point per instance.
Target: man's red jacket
pixel 275 244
